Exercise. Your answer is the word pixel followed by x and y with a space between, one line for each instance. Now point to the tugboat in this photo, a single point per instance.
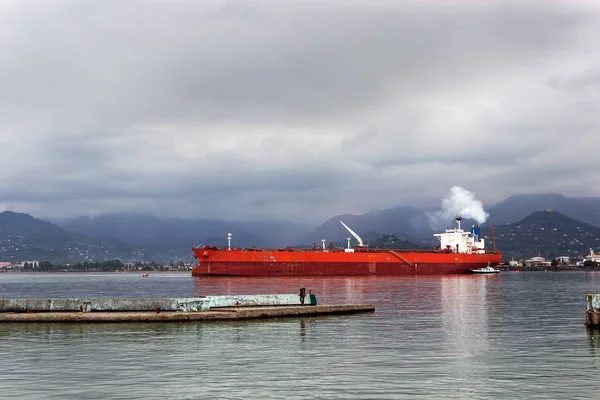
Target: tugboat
pixel 485 270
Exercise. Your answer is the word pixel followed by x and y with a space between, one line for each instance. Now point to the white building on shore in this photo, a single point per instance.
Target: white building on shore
pixel 595 257
pixel 31 264
pixel 537 261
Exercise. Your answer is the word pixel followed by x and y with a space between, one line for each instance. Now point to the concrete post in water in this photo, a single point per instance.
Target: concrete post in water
pixel 592 312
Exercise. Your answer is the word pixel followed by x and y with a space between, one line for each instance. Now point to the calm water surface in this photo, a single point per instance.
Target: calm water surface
pixel 514 335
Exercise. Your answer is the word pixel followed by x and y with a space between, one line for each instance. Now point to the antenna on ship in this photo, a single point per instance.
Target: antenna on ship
pixel 458 219
pixel 228 241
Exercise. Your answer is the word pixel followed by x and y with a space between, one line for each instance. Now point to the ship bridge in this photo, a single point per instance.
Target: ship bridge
pixel 460 241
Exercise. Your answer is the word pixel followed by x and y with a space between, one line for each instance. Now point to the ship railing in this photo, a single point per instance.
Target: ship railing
pixel 334 250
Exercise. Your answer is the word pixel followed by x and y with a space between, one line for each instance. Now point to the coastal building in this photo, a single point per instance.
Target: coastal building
pixel 30 264
pixel 514 263
pixel 595 257
pixel 537 261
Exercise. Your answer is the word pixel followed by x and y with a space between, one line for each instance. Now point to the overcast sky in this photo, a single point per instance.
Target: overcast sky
pixel 293 109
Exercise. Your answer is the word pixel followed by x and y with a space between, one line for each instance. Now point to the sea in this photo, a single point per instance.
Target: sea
pixel 506 336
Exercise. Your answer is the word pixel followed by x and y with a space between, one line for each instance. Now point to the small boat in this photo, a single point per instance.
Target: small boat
pixel 486 270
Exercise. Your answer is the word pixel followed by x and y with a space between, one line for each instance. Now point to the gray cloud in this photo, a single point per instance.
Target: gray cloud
pixel 293 109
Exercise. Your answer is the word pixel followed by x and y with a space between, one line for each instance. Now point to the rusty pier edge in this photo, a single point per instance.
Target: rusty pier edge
pixel 221 314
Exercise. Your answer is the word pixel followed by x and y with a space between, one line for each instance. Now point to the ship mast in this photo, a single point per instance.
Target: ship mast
pixel 229 241
pixel 360 242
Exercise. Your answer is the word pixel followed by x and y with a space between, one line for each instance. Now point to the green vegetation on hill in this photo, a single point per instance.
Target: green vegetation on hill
pixel 23 237
pixel 546 233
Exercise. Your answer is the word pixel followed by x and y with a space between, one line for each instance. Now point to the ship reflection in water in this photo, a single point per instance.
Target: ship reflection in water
pixel 464 310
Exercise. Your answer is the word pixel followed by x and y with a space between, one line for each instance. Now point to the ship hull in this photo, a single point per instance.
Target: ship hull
pixel 315 263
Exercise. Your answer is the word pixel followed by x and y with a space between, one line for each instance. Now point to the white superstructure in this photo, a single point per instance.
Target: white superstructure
pixel 595 257
pixel 460 241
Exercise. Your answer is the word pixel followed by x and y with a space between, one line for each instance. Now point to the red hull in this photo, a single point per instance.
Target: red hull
pixel 247 262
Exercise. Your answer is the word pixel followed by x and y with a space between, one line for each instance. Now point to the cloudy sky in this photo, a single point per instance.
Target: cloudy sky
pixel 293 109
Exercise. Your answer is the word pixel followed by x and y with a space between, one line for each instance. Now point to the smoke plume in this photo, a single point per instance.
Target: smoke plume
pixel 459 202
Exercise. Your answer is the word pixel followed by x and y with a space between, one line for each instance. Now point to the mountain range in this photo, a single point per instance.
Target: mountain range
pixel 134 237
pixel 179 234
pixel 23 238
pixel 414 224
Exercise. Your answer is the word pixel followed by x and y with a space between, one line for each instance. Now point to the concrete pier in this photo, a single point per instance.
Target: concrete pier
pixel 186 304
pixel 592 312
pixel 222 314
pixel 169 309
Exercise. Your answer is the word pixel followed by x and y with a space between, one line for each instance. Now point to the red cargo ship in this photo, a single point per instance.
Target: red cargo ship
pixel 459 252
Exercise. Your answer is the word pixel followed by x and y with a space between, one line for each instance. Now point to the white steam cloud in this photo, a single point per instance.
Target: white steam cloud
pixel 459 202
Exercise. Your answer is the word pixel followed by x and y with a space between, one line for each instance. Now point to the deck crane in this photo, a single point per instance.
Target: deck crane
pixel 360 242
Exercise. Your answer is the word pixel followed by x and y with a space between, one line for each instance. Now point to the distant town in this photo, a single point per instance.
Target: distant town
pixel 592 260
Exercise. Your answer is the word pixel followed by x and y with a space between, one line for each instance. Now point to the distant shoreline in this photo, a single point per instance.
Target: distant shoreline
pixel 553 268
pixel 511 269
pixel 29 271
